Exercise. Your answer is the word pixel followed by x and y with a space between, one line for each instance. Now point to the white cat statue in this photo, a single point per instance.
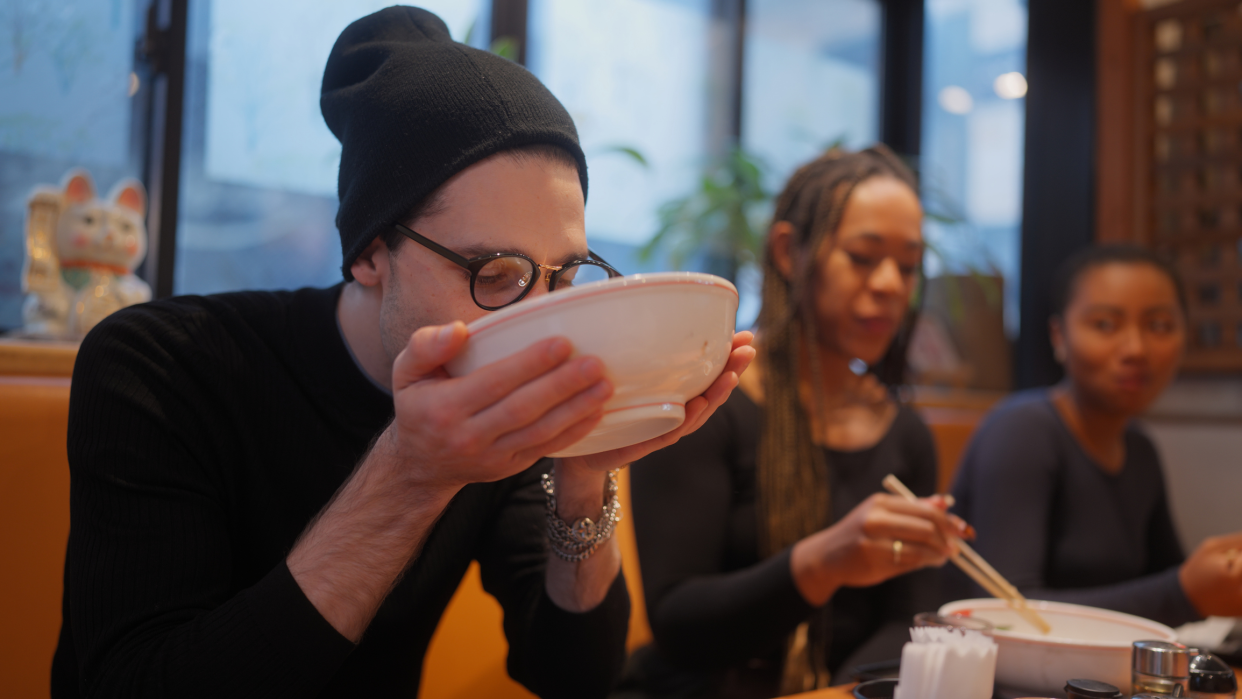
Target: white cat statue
pixel 81 253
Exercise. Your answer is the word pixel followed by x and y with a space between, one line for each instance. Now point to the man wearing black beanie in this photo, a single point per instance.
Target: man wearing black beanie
pixel 277 493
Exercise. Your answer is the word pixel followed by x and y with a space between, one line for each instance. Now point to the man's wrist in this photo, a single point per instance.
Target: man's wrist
pixel 579 490
pixel 393 465
pixel 577 540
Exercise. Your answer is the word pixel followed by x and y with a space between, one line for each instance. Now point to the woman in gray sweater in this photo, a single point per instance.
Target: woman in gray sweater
pixel 1065 490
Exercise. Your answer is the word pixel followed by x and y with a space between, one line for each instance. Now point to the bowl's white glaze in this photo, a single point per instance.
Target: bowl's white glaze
pixel 663 339
pixel 1085 642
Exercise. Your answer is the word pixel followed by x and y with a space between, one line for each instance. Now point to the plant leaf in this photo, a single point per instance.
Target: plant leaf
pixel 505 47
pixel 633 153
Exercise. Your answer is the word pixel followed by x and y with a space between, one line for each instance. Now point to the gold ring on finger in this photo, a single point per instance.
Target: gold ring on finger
pixel 897 547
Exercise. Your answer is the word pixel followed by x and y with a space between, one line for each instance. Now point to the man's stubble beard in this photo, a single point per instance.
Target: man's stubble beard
pixel 396 322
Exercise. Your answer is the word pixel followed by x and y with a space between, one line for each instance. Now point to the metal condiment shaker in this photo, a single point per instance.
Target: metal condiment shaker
pixel 1091 689
pixel 1160 667
pixel 1211 678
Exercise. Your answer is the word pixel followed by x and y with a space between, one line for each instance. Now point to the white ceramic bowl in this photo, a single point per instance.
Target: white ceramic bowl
pixel 1085 643
pixel 663 339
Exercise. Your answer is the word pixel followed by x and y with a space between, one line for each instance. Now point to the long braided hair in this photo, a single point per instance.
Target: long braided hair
pixel 792 472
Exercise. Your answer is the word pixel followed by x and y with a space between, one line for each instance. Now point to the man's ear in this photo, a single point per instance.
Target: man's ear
pixel 1056 332
pixel 371 267
pixel 780 247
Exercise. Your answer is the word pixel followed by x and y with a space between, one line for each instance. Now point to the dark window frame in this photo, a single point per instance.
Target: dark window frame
pixel 164 54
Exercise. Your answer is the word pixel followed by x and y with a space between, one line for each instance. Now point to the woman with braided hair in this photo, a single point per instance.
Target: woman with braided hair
pixel 769 559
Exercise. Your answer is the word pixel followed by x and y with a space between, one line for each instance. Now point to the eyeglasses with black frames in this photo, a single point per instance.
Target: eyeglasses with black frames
pixel 503 278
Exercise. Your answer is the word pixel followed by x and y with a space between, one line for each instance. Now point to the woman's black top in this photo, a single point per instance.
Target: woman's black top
pixel 719 612
pixel 1058 526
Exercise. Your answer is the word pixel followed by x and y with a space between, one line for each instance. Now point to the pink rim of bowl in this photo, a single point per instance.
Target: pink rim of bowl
pixel 594 289
pixel 1154 629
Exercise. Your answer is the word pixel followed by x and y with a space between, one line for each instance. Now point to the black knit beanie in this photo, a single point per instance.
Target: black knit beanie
pixel 411 108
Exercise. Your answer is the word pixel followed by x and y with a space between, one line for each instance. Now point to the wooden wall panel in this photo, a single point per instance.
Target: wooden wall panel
pixel 1188 154
pixel 1169 154
pixel 1115 175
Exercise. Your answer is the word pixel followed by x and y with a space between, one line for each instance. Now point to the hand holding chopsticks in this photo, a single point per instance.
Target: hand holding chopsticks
pixel 978 569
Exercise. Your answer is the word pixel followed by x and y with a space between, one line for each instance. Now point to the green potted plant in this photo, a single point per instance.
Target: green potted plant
pixel 724 219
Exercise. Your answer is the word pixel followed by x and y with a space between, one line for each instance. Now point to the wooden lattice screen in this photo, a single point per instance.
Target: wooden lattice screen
pixel 1189 156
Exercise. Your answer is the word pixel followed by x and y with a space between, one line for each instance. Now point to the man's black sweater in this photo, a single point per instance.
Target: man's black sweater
pixel 204 434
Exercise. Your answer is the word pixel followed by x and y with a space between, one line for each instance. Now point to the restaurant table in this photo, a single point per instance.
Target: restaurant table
pixel 845 690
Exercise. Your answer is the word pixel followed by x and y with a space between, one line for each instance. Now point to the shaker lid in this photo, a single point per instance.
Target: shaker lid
pixel 1091 689
pixel 1161 659
pixel 1210 674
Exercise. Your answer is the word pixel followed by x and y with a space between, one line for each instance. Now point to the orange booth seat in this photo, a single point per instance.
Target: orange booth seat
pixel 34 527
pixel 467 653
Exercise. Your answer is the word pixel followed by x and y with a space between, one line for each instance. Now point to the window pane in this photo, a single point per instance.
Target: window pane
pixel 258 190
pixel 973 132
pixel 632 73
pixel 65 101
pixel 811 79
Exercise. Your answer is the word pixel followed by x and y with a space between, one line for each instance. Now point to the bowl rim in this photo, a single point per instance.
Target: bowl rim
pixel 1081 610
pixel 596 289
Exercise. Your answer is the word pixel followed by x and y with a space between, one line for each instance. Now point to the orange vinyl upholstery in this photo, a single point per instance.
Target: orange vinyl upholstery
pixel 952 429
pixel 467 655
pixel 34 527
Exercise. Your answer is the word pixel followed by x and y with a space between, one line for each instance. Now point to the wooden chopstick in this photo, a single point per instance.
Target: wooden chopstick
pixel 978 569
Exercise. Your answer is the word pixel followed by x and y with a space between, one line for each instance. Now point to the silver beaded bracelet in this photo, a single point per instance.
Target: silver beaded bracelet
pixel 578 541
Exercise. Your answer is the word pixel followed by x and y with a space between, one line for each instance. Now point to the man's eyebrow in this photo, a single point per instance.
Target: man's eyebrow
pixel 473 251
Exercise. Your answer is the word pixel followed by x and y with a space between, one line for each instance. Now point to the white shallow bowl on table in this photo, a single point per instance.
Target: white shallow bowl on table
pixel 1085 643
pixel 663 339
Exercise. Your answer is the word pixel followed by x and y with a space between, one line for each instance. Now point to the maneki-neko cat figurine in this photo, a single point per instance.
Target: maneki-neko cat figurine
pixel 81 253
